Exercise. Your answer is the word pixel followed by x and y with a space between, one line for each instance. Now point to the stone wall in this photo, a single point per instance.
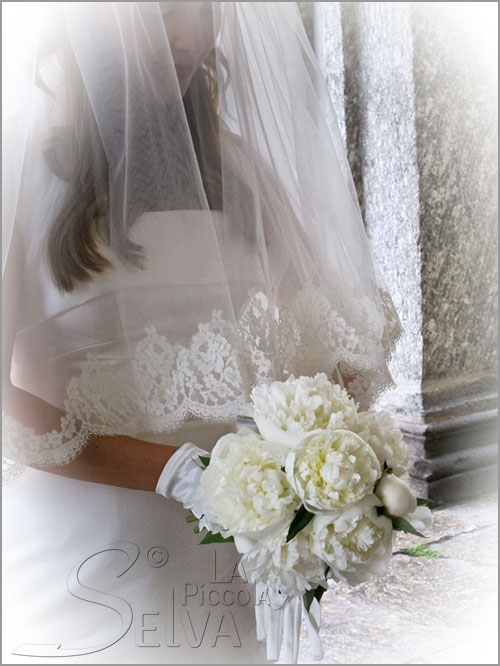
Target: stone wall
pixel 415 90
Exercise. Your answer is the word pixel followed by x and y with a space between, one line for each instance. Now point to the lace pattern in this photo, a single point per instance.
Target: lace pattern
pixel 27 447
pixel 209 379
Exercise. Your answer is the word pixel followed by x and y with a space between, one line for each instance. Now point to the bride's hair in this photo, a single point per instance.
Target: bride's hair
pixel 76 154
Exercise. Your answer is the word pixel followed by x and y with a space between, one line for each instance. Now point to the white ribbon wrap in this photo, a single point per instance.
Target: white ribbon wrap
pixel 278 621
pixel 313 624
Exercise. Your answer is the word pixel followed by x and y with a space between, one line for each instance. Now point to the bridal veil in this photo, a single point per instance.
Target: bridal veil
pixel 103 149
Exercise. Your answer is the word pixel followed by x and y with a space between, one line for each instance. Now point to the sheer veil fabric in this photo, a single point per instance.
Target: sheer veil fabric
pixel 166 250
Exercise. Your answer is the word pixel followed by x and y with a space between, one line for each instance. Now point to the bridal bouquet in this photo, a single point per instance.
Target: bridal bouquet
pixel 314 495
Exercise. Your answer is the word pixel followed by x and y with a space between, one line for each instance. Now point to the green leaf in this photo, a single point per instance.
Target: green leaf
pixel 216 537
pixel 308 599
pixel 402 525
pixel 320 591
pixel 302 518
pixel 205 460
pixel 310 595
pixel 191 518
pixel 422 501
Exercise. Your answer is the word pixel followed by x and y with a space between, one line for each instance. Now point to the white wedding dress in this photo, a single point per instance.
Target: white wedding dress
pixel 100 574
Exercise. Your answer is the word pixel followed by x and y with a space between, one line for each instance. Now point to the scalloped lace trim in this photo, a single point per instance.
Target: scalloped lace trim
pixel 210 378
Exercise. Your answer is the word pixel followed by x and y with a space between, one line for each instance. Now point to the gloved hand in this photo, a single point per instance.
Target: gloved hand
pixel 181 475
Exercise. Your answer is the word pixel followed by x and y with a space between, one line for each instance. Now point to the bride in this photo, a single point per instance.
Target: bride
pixel 180 224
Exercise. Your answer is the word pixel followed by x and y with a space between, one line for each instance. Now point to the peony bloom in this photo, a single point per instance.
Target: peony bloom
pixel 284 411
pixel 244 488
pixel 289 567
pixel 331 468
pixel 396 495
pixel 356 543
pixel 378 430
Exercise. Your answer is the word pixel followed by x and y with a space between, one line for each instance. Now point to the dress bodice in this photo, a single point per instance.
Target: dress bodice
pixel 183 249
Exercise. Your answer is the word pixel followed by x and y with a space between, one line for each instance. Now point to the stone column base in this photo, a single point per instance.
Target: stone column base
pixel 454 439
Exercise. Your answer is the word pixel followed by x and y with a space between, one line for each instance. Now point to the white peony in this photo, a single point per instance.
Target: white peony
pixel 288 567
pixel 244 488
pixel 284 411
pixel 377 428
pixel 356 542
pixel 331 468
pixel 396 495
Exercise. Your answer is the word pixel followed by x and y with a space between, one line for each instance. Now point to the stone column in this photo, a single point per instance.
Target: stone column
pixel 420 100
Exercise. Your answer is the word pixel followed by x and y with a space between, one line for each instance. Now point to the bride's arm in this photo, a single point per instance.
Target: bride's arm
pixel 117 460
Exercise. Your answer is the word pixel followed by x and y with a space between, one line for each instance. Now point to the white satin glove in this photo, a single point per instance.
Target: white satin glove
pixel 278 620
pixel 180 477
